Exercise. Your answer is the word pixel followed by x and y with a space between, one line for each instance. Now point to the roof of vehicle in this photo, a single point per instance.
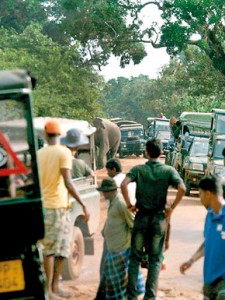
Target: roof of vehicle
pixel 14 80
pixel 218 111
pixel 65 124
pixel 124 122
pixel 196 117
pixel 157 119
pixel 220 137
pixel 131 126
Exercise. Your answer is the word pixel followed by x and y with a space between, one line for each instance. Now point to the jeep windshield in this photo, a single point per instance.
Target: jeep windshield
pixel 131 133
pixel 199 148
pixel 219 146
pixel 220 124
pixel 162 130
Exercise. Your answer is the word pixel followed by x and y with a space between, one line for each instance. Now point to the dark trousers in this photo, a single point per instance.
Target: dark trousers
pixel 215 290
pixel 148 230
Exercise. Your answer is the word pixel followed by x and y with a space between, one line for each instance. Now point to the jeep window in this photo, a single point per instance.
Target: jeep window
pixel 220 124
pixel 219 146
pixel 18 158
pixel 199 148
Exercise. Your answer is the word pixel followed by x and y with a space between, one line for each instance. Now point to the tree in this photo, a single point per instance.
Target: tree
pixel 105 27
pixel 63 88
pixel 187 84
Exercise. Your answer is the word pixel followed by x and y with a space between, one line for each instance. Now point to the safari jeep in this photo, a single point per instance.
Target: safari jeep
pixel 132 140
pixel 21 216
pixel 215 161
pixel 82 233
pixel 195 162
pixel 216 142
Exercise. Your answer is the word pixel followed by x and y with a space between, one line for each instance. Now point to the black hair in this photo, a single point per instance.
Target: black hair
pixel 52 135
pixel 114 163
pixel 211 183
pixel 154 147
pixel 223 152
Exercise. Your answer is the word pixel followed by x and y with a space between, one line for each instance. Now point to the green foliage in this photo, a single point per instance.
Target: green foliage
pixel 188 84
pixel 105 27
pixel 63 88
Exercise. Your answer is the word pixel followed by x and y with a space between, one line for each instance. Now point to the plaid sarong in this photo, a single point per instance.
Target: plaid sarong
pixel 115 275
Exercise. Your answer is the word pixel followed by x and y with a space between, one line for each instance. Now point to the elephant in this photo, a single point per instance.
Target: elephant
pixel 107 140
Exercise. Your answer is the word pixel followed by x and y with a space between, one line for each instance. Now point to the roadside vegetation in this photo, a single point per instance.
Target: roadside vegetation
pixel 64 43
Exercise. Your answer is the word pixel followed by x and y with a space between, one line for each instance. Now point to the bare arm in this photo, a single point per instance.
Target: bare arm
pixel 66 173
pixel 125 193
pixel 180 193
pixel 196 256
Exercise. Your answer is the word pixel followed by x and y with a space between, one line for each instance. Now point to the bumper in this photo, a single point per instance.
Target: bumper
pixel 194 177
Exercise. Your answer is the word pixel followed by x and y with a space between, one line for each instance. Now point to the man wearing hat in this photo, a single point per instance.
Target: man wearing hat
pixel 73 139
pixel 55 164
pixel 117 235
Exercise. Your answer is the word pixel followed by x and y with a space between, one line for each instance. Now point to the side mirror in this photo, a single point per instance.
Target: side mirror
pixel 209 154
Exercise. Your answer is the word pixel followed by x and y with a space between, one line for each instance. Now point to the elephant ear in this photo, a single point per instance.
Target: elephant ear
pixel 99 123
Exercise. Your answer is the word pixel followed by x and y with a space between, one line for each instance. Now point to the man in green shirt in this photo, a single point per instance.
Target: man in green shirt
pixel 153 180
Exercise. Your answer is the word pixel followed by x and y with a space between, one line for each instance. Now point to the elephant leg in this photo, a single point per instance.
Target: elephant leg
pixel 101 157
pixel 114 150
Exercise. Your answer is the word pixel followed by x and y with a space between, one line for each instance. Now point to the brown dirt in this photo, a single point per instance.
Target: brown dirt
pixel 186 236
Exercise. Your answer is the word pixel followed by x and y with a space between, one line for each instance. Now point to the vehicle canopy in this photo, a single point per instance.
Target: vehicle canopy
pixel 218 121
pixel 198 117
pixel 197 123
pixel 125 122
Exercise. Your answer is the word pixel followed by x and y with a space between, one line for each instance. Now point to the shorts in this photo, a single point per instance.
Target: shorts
pixel 57 232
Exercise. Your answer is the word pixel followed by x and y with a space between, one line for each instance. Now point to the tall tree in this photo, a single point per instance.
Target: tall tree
pixel 63 88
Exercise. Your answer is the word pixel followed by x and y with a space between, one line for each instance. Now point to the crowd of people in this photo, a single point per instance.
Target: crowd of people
pixel 137 222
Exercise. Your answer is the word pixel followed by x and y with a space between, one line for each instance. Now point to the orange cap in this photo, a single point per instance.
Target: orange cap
pixel 52 127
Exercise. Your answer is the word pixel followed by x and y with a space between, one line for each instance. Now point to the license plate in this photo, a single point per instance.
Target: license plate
pixel 11 276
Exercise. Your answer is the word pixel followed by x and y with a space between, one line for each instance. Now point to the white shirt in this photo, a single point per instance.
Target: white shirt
pixel 131 186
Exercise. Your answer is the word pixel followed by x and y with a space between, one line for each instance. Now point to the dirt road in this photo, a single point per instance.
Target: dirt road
pixel 186 235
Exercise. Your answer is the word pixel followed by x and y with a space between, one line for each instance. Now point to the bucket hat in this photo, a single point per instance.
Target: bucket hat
pixel 74 138
pixel 107 185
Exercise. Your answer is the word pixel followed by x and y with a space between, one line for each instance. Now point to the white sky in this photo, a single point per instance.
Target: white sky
pixel 150 65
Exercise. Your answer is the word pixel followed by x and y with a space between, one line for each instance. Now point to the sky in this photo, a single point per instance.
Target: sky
pixel 150 65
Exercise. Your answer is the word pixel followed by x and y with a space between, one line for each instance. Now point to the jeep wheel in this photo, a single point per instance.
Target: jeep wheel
pixel 188 187
pixel 72 265
pixel 121 155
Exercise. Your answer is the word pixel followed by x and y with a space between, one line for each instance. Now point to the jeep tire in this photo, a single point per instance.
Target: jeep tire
pixel 72 265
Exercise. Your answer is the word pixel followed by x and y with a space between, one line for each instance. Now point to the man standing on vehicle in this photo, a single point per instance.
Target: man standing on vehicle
pixel 153 180
pixel 55 164
pixel 213 247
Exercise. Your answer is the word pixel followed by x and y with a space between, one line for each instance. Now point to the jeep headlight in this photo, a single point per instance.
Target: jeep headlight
pixel 124 146
pixel 198 167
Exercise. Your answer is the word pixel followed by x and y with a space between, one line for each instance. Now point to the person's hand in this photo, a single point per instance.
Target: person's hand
pixel 132 208
pixel 86 214
pixel 186 266
pixel 168 213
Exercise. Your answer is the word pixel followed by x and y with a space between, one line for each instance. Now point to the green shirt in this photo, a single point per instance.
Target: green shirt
pixel 117 229
pixel 80 168
pixel 153 180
